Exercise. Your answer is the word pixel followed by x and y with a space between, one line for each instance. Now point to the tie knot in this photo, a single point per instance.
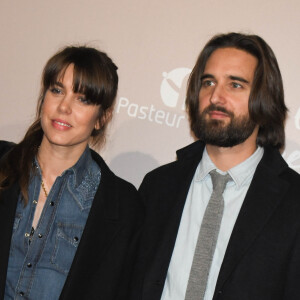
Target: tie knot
pixel 219 181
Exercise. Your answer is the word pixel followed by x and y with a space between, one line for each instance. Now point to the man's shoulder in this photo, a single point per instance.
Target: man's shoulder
pixel 291 176
pixel 273 164
pixel 192 152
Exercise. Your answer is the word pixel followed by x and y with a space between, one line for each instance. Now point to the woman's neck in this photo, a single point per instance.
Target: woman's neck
pixel 54 159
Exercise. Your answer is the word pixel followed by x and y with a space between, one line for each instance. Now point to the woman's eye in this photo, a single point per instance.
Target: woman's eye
pixel 55 90
pixel 84 100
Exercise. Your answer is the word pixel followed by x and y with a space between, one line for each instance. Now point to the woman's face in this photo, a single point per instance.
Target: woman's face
pixel 67 118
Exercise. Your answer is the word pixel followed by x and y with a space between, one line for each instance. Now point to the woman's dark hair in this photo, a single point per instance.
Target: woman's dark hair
pixel 95 76
pixel 266 102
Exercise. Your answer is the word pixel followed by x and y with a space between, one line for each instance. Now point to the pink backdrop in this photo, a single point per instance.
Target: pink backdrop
pixel 155 44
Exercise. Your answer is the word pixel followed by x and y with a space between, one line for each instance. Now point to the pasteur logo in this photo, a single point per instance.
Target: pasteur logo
pixel 170 89
pixel 172 96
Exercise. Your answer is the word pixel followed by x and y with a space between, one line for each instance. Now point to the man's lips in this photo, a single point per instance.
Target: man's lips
pixel 61 124
pixel 216 114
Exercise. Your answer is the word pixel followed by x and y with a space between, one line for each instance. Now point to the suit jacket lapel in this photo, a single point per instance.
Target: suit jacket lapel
pixel 177 186
pixel 264 195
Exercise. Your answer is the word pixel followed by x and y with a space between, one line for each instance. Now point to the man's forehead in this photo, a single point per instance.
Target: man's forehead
pixel 230 62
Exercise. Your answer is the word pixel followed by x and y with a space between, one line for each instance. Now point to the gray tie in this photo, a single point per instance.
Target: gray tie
pixel 207 239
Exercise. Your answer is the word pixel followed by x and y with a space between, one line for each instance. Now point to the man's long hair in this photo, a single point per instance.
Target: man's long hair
pixel 266 102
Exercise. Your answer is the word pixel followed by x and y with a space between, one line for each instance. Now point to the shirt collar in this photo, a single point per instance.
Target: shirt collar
pixel 82 167
pixel 244 171
pixel 240 174
pixel 205 166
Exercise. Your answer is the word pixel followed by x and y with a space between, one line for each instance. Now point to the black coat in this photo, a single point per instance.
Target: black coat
pixel 102 266
pixel 262 260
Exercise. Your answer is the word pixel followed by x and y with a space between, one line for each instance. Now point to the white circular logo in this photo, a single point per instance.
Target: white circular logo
pixel 171 85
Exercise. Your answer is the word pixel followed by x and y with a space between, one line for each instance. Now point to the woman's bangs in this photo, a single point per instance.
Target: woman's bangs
pixel 86 83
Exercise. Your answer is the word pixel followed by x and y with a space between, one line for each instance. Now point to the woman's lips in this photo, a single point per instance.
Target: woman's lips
pixel 61 124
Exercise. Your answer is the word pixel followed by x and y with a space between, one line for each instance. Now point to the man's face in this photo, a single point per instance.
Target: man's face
pixel 223 98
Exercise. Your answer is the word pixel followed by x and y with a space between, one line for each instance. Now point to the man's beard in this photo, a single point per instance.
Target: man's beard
pixel 215 132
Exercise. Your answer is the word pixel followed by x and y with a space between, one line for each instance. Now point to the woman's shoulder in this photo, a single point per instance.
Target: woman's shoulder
pixel 5 146
pixel 107 172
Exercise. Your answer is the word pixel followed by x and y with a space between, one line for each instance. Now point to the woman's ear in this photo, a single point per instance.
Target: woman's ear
pixel 97 125
pixel 104 120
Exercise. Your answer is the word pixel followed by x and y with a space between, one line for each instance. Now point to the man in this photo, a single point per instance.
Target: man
pixel 237 112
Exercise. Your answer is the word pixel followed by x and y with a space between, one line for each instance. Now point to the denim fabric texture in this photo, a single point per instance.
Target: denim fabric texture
pixel 38 266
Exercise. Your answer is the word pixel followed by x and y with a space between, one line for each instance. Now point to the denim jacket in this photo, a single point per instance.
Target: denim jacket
pixel 39 264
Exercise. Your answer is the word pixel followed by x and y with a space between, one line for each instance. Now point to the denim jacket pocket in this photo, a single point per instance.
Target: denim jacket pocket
pixel 66 243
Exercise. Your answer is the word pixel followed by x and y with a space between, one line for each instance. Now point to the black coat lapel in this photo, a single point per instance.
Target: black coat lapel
pixel 101 228
pixel 264 195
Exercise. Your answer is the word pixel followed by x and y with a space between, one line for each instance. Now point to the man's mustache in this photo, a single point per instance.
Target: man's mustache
pixel 214 107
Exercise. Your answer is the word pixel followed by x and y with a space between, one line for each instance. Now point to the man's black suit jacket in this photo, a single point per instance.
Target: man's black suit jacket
pixel 262 260
pixel 102 266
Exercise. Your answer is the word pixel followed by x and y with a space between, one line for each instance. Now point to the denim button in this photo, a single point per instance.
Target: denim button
pixel 29 265
pixel 51 203
pixel 40 235
pixel 21 294
pixel 76 239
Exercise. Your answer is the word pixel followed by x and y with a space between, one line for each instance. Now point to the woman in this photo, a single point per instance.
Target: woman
pixel 69 225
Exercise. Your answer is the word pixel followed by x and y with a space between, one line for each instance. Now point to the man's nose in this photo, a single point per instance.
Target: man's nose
pixel 218 95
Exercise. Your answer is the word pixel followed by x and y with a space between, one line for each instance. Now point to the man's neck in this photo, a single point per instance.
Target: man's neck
pixel 226 158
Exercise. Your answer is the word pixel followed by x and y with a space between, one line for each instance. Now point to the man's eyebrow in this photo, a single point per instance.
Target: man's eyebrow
pixel 204 76
pixel 237 78
pixel 232 77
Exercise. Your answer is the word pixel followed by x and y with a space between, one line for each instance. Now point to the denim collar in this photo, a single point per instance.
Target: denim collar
pixel 84 178
pixel 82 168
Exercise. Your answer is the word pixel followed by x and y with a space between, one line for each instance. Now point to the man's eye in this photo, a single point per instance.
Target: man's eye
pixel 236 85
pixel 207 83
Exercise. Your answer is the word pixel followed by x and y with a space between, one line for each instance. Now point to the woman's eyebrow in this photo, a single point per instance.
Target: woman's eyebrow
pixel 60 84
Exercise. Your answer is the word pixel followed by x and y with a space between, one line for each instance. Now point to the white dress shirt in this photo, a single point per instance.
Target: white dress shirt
pixel 196 202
